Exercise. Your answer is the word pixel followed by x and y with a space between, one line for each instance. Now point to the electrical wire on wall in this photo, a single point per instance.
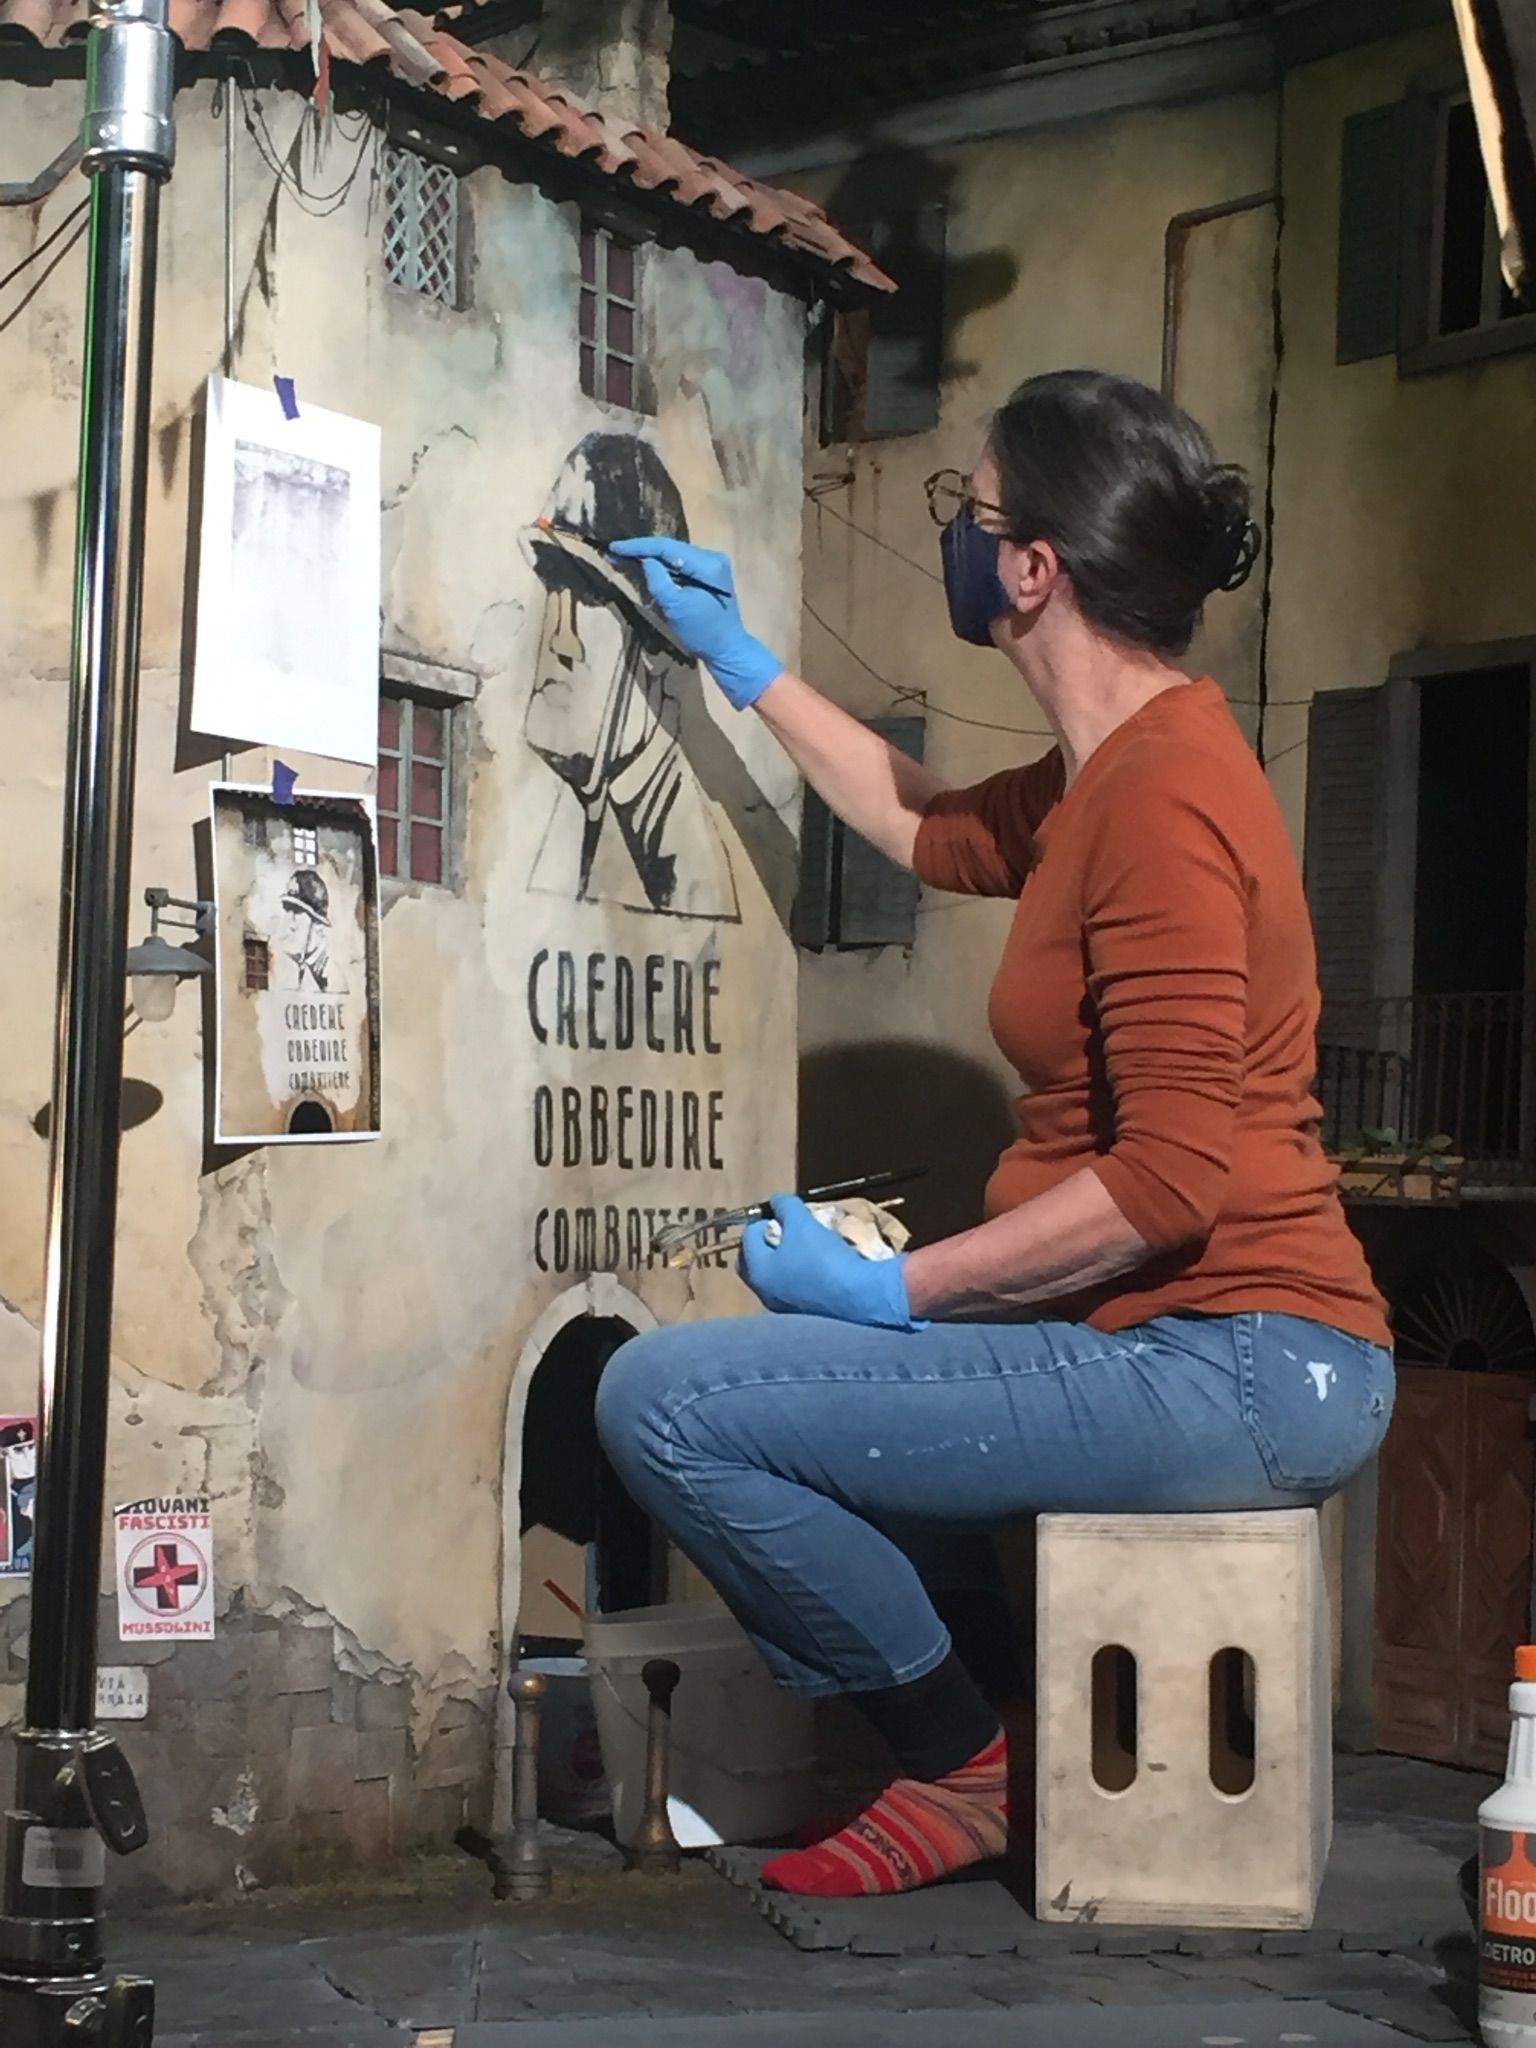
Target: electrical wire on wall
pixel 318 205
pixel 907 695
pixel 75 219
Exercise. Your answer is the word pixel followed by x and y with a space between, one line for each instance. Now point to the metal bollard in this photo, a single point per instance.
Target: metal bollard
pixel 654 1849
pixel 526 1873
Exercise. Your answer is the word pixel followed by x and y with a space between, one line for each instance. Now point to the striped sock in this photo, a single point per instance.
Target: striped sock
pixel 914 1833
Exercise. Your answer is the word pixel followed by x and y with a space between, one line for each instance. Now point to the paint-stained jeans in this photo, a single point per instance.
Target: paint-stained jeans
pixel 807 1466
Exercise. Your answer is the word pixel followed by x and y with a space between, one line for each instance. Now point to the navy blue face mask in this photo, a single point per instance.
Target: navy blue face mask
pixel 971 582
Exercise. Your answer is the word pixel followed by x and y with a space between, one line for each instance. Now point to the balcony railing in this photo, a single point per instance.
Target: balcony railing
pixel 1424 1067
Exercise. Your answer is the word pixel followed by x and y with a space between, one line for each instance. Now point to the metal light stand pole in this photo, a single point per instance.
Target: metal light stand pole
pixel 75 1795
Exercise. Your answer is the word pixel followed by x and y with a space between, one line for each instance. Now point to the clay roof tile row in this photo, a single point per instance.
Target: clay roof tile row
pixel 424 53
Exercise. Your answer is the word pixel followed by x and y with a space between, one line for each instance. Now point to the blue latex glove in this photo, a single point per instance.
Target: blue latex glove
pixel 695 593
pixel 812 1272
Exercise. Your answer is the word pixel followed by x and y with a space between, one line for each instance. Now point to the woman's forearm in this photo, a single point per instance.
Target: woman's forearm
pixel 870 784
pixel 1070 1238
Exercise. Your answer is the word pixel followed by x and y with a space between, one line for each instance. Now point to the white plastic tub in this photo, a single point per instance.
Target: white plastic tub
pixel 742 1752
pixel 571 1788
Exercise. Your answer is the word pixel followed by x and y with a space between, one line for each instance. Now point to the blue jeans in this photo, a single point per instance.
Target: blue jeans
pixel 802 1463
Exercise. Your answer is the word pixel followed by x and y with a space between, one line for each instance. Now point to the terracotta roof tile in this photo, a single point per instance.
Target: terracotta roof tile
pixel 425 54
pixel 27 21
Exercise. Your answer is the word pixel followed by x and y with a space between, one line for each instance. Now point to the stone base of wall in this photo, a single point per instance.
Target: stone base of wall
pixel 265 1761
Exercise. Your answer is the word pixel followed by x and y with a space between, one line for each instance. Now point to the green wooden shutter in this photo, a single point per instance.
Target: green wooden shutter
pixel 877 900
pixel 813 898
pixel 1371 196
pixel 850 894
pixel 1346 794
pixel 906 332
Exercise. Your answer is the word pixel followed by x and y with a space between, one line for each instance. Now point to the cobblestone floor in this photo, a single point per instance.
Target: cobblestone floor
pixel 617 1959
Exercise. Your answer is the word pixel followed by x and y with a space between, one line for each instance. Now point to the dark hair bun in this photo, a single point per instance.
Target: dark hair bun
pixel 1126 488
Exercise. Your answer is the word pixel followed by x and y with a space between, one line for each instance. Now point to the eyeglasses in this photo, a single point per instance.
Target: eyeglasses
pixel 949 494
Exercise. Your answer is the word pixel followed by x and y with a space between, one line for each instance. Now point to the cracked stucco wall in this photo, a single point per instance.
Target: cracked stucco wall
pixel 327 1339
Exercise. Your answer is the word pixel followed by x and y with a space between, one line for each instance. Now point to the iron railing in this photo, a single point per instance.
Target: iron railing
pixel 1431 1067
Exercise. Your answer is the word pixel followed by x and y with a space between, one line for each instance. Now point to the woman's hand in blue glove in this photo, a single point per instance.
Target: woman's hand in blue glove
pixel 695 593
pixel 813 1272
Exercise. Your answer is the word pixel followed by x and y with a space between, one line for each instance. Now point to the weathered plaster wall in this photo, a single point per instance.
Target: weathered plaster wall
pixel 1404 506
pixel 323 1339
pixel 1402 519
pixel 1055 258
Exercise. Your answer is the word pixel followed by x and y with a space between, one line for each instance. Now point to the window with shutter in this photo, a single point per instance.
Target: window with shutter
pixel 885 365
pixel 1346 789
pixel 851 895
pixel 423 227
pixel 1419 261
pixel 1371 197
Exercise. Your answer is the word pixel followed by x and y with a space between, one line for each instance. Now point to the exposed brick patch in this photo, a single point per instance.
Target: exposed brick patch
pixel 313 1769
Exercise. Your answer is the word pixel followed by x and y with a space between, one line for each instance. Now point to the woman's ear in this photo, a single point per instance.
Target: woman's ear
pixel 1030 571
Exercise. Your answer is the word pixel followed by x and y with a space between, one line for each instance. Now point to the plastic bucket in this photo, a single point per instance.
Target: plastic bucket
pixel 572 1791
pixel 742 1752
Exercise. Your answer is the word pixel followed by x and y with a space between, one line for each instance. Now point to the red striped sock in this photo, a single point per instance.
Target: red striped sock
pixel 913 1834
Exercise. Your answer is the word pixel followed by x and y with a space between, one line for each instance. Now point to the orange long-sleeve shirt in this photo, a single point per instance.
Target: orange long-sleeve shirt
pixel 1158 999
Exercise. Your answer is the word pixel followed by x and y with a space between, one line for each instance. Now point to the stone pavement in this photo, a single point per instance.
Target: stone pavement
pixel 619 1961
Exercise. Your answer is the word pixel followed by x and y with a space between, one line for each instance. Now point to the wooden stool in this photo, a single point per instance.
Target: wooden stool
pixel 1184 1771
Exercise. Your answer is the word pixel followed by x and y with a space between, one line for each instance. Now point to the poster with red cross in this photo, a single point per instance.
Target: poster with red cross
pixel 164 1568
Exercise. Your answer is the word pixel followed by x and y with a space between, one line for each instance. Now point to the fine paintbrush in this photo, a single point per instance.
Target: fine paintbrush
pixel 676 1235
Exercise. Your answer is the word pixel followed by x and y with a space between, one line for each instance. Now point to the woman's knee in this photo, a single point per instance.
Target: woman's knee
pixel 640 1389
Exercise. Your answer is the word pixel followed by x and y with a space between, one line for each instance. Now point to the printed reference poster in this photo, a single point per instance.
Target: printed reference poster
pixel 297 959
pixel 164 1567
pixel 288 576
pixel 18 1488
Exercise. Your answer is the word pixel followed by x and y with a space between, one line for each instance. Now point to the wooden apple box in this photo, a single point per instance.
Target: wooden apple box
pixel 1399 1176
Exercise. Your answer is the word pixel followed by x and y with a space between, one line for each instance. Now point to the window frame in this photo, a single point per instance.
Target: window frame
pixel 603 239
pixel 830 853
pixel 902 238
pixel 400 150
pixel 407 679
pixel 1421 347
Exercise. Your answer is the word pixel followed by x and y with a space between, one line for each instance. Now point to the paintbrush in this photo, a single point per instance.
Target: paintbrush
pixel 548 525
pixel 676 1235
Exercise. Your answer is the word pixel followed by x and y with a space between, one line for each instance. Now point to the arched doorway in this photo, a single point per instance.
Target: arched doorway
pixel 580 1534
pixel 1454 1518
pixel 575 1337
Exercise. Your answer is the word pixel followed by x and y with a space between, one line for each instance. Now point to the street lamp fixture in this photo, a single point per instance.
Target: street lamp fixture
pixel 155 967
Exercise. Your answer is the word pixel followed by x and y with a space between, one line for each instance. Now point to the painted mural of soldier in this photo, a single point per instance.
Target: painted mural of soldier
pixel 633 825
pixel 305 940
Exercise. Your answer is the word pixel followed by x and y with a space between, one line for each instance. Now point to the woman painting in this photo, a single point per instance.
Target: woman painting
pixel 1164 1308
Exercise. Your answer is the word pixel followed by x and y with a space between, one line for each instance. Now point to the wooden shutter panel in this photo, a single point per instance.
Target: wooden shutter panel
pixel 1371 189
pixel 877 900
pixel 1346 790
pixel 813 898
pixel 906 333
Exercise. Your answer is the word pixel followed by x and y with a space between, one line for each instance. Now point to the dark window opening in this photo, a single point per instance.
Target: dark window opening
pixel 415 789
pixel 258 964
pixel 1418 268
pixel 310 1120
pixel 851 895
pixel 884 366
pixel 609 322
pixel 1469 913
pixel 1470 883
pixel 580 1528
pixel 1469 291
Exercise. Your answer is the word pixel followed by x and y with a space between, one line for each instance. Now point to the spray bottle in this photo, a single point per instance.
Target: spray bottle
pixel 1506 1895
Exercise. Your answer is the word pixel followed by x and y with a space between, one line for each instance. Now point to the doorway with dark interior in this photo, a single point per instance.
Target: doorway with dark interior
pixel 1469 911
pixel 586 1546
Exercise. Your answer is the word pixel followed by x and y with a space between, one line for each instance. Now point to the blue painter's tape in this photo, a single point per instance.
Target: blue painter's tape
pixel 283 779
pixel 285 397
